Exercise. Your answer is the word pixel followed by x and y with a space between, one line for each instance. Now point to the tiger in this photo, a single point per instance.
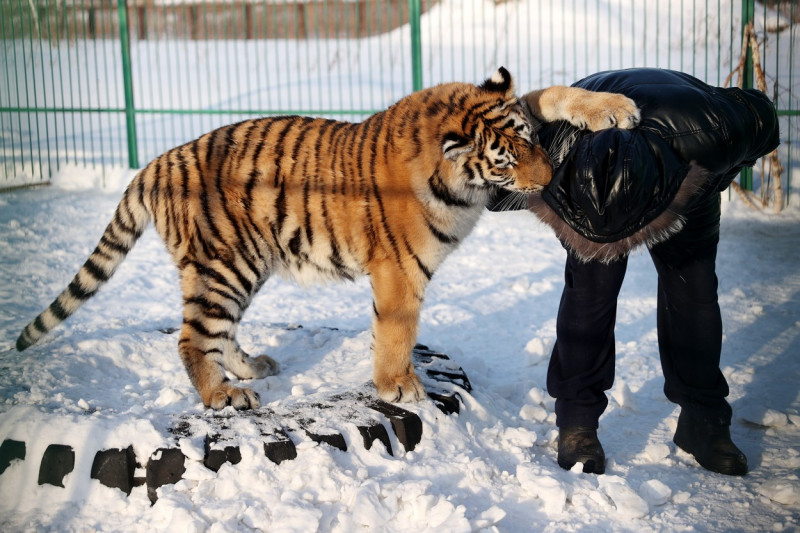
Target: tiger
pixel 314 200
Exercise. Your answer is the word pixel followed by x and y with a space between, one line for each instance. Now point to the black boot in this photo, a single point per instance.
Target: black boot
pixel 580 445
pixel 710 444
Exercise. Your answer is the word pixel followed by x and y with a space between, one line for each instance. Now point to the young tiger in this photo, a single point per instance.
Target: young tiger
pixel 314 199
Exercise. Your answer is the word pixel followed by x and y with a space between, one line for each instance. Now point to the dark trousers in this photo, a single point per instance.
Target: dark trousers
pixel 688 322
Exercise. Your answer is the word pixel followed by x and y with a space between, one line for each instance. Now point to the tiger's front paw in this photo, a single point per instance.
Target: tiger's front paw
pixel 225 395
pixel 405 388
pixel 598 111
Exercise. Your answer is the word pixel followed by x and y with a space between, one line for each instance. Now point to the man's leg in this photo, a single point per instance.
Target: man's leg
pixel 582 363
pixel 690 340
pixel 690 337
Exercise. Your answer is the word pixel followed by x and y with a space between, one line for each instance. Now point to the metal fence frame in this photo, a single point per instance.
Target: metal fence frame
pixel 38 115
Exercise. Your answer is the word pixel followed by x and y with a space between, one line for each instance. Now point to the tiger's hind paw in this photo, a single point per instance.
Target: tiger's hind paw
pixel 240 398
pixel 405 388
pixel 264 366
pixel 245 367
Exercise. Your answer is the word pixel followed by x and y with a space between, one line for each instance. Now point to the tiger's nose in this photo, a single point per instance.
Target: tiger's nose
pixel 539 170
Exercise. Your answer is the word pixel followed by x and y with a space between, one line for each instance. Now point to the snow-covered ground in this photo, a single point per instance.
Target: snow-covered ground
pixel 109 378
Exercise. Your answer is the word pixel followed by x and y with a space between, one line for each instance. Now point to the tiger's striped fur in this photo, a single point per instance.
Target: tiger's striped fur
pixel 313 199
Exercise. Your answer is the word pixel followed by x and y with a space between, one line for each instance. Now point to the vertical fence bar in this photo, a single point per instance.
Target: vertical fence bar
pixel 26 76
pixel 81 41
pixel 130 111
pixel 46 118
pixel 53 37
pixel 14 89
pixel 414 16
pixel 748 15
pixel 97 45
pixel 790 107
pixel 69 28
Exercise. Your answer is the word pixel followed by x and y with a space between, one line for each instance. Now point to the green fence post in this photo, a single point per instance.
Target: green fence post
pixel 414 15
pixel 748 14
pixel 127 79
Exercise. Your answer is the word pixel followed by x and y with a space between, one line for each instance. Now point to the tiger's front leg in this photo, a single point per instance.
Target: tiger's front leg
pixel 586 110
pixel 396 307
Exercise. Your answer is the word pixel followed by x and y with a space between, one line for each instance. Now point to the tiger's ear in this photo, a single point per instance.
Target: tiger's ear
pixel 500 82
pixel 453 145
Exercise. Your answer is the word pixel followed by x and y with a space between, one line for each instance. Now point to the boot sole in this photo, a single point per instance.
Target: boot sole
pixel 591 465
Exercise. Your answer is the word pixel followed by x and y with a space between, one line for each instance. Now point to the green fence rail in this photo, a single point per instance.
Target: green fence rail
pixel 108 84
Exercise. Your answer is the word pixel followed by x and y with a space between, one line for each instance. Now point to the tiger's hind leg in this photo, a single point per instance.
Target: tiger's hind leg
pixel 212 309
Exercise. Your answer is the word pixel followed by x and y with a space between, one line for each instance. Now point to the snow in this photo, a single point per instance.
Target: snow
pixel 111 377
pixel 108 378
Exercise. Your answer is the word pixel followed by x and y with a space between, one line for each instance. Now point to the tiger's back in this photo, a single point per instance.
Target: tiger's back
pixel 309 198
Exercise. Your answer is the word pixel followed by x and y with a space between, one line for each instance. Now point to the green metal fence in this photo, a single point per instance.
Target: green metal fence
pixel 102 84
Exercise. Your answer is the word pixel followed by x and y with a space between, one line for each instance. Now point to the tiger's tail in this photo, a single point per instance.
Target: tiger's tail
pixel 130 220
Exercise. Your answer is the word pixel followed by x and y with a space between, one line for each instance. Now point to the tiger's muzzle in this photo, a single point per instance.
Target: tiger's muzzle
pixel 534 170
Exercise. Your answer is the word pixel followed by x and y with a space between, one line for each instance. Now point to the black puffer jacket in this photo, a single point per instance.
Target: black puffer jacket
pixel 616 189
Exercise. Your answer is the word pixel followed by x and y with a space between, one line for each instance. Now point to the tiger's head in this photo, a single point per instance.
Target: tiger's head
pixel 487 141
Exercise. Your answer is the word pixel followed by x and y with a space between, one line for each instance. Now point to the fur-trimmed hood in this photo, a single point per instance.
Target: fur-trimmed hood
pixel 614 190
pixel 667 222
